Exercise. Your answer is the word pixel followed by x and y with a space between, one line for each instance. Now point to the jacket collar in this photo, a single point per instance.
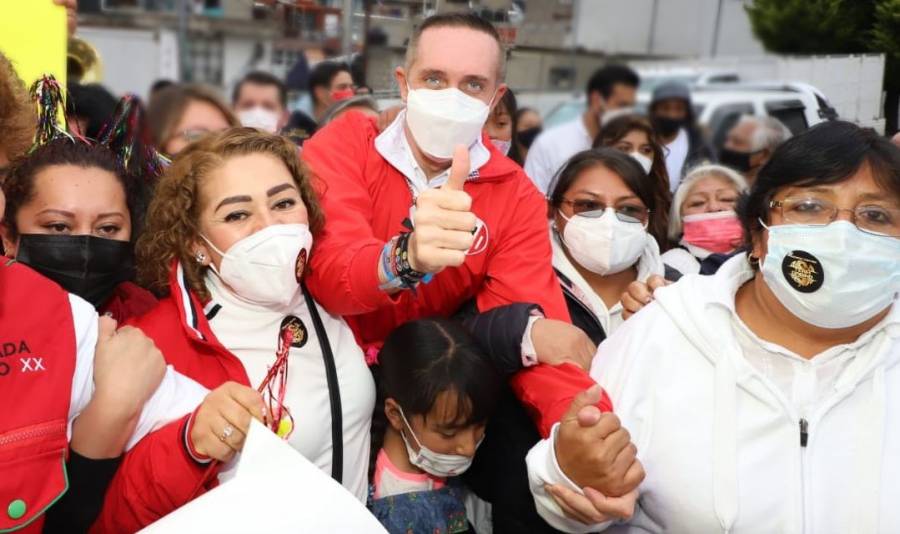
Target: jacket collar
pixel 486 163
pixel 194 314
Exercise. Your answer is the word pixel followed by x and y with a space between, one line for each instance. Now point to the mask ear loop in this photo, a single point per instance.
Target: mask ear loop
pixel 409 426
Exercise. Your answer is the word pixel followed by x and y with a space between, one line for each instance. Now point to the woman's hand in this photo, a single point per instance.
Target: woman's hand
pixel 127 370
pixel 557 342
pixel 221 422
pixel 593 507
pixel 638 294
pixel 127 366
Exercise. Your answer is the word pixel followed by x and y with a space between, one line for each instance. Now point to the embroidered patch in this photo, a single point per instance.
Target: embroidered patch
pixel 298 331
pixel 803 271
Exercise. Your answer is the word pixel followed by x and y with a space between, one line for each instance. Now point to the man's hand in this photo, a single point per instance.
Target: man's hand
pixel 638 294
pixel 593 507
pixel 223 419
pixel 444 222
pixel 593 449
pixel 557 342
pixel 71 14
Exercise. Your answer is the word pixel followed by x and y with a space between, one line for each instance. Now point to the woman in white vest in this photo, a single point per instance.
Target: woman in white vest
pixel 766 398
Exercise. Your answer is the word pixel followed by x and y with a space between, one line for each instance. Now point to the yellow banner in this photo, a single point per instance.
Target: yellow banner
pixel 33 36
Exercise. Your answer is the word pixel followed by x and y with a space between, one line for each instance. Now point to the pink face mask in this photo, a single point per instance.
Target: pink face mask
pixel 718 232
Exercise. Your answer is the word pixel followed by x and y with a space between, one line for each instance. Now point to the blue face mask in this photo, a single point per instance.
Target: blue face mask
pixel 832 276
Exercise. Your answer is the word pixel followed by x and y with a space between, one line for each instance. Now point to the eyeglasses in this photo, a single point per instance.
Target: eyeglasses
pixel 869 218
pixel 632 213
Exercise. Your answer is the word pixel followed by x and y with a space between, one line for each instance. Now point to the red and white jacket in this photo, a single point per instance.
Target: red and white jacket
pixel 366 198
pixel 47 344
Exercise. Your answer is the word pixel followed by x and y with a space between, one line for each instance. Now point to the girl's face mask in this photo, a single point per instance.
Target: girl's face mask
pixel 434 463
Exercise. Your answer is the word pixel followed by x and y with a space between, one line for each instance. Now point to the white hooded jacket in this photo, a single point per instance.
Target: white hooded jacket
pixel 719 438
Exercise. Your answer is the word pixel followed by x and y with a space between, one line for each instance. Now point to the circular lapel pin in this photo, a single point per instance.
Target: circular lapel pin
pixel 803 271
pixel 298 331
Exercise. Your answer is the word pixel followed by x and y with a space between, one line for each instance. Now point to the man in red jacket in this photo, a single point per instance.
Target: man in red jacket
pixel 426 215
pixel 480 230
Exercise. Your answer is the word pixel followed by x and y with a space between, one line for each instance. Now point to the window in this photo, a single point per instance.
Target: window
pixel 562 77
pixel 790 112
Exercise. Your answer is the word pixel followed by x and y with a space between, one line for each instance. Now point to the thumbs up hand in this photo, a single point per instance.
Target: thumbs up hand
pixel 444 223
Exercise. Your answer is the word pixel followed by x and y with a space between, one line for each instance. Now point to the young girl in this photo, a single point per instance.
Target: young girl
pixel 436 391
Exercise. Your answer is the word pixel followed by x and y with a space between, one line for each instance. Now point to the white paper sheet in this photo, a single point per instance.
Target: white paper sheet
pixel 275 490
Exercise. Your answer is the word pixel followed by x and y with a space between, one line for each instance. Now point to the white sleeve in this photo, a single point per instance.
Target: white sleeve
pixel 625 366
pixel 536 165
pixel 176 396
pixel 544 469
pixel 85 319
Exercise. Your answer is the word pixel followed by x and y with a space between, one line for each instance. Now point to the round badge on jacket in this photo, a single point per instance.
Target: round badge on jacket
pixel 803 271
pixel 298 331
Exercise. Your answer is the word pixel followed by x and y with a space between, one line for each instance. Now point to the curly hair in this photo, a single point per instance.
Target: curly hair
pixel 17 117
pixel 172 219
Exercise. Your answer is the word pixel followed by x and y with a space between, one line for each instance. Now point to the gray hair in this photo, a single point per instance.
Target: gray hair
pixel 768 133
pixel 359 101
pixel 676 225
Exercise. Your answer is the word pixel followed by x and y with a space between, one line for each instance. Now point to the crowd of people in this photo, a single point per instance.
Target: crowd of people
pixel 472 323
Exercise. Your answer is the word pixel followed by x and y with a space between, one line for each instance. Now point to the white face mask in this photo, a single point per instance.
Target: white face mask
pixel 440 119
pixel 260 118
pixel 646 163
pixel 604 245
pixel 833 276
pixel 502 146
pixel 435 463
pixel 266 267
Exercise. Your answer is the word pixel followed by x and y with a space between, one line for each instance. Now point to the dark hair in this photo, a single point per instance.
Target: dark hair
pixel 19 186
pixel 629 170
pixel 92 102
pixel 613 132
pixel 159 85
pixel 424 358
pixel 457 20
pixel 323 74
pixel 604 79
pixel 512 108
pixel 260 78
pixel 828 153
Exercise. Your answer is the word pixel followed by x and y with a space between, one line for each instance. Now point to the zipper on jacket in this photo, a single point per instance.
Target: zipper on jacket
pixel 804 432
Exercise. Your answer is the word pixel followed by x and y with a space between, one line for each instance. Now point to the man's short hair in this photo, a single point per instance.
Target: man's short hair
pixel 457 20
pixel 323 74
pixel 605 78
pixel 260 78
pixel 769 133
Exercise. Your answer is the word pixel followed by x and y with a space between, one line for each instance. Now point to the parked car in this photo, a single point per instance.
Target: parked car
pixel 719 106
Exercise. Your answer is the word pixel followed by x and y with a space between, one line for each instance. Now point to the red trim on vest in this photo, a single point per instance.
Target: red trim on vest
pixel 37 361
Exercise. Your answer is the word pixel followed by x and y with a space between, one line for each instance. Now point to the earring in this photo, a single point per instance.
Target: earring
pixel 200 257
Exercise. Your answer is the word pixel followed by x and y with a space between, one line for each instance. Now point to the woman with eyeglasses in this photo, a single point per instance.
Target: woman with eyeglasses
pixel 600 207
pixel 766 397
pixel 181 114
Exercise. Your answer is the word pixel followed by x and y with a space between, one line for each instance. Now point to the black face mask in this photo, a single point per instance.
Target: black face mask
pixel 88 266
pixel 526 137
pixel 739 161
pixel 667 126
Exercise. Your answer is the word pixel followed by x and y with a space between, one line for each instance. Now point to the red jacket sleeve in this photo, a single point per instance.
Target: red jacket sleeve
pixel 155 477
pixel 520 268
pixel 343 275
pixel 547 391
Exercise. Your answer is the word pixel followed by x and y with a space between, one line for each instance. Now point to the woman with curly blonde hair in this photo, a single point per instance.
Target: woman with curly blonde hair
pixel 17 117
pixel 227 240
